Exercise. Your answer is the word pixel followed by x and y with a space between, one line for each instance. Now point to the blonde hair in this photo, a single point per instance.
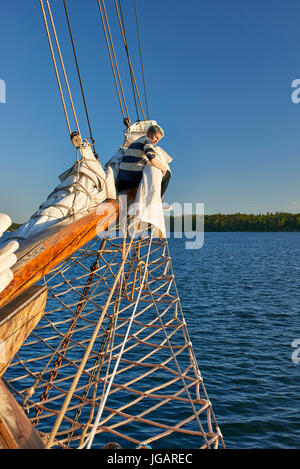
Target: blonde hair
pixel 156 128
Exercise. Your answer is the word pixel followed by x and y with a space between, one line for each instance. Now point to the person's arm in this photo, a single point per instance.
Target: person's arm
pixel 152 157
pixel 157 164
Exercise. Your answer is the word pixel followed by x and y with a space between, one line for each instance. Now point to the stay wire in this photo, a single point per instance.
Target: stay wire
pixel 55 67
pixel 125 43
pixel 114 63
pixel 133 80
pixel 141 57
pixel 80 80
pixel 62 65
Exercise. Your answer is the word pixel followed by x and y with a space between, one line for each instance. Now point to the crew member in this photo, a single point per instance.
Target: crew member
pixel 137 155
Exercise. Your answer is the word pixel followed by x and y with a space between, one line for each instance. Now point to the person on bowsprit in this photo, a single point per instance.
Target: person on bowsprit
pixel 136 156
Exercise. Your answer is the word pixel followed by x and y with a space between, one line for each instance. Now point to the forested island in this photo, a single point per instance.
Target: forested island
pixel 279 221
pixel 14 226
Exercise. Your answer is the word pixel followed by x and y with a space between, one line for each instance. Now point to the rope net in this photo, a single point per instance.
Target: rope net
pixel 157 395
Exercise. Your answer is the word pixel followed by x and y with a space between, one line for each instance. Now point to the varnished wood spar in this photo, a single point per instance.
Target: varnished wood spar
pixel 17 320
pixel 40 254
pixel 16 430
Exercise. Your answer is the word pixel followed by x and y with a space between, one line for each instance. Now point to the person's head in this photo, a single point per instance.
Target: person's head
pixel 155 133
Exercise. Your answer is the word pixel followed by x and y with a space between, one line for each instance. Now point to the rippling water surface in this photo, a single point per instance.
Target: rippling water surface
pixel 241 297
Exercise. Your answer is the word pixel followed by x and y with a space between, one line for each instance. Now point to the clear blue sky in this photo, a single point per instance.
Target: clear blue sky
pixel 218 76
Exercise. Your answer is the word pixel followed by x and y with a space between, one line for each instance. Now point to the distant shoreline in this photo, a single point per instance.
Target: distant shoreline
pixel 276 222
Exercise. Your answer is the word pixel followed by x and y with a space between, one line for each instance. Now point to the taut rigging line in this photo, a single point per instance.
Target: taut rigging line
pixel 80 80
pixel 140 49
pixel 133 80
pixel 114 63
pixel 64 71
pixel 55 66
pixel 62 65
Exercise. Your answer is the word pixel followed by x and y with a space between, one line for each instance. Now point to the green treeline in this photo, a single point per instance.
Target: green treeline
pixel 279 221
pixel 14 226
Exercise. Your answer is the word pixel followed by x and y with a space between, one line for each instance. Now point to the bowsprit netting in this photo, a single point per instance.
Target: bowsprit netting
pixel 113 344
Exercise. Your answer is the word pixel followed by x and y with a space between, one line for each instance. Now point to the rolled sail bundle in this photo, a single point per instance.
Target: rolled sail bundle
pixel 7 256
pixel 83 186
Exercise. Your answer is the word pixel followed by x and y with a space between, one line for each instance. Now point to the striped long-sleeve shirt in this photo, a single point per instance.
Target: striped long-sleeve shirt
pixel 134 159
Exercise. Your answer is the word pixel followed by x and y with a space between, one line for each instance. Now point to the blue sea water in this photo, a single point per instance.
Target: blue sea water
pixel 241 298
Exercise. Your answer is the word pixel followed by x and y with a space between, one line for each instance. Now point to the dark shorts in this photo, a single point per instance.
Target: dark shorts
pixel 122 185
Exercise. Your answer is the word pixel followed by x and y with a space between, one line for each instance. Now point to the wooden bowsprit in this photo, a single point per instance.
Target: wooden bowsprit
pixel 40 254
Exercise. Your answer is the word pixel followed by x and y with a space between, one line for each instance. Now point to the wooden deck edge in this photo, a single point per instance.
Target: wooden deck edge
pixel 17 319
pixel 16 430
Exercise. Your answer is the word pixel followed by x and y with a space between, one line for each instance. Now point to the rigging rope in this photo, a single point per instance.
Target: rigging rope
pixel 141 57
pixel 80 80
pixel 179 370
pixel 192 351
pixel 55 66
pixel 121 282
pixel 148 382
pixel 133 81
pixel 110 47
pixel 87 352
pixel 62 65
pixel 110 340
pixel 90 438
pixel 67 337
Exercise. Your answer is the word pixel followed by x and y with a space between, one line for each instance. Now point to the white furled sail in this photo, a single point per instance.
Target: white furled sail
pixel 7 256
pixel 83 186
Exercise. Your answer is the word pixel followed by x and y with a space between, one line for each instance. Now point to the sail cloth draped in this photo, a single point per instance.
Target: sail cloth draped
pixel 147 207
pixel 83 186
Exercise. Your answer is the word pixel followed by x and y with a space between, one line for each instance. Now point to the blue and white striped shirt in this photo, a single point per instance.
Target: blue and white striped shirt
pixel 135 158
